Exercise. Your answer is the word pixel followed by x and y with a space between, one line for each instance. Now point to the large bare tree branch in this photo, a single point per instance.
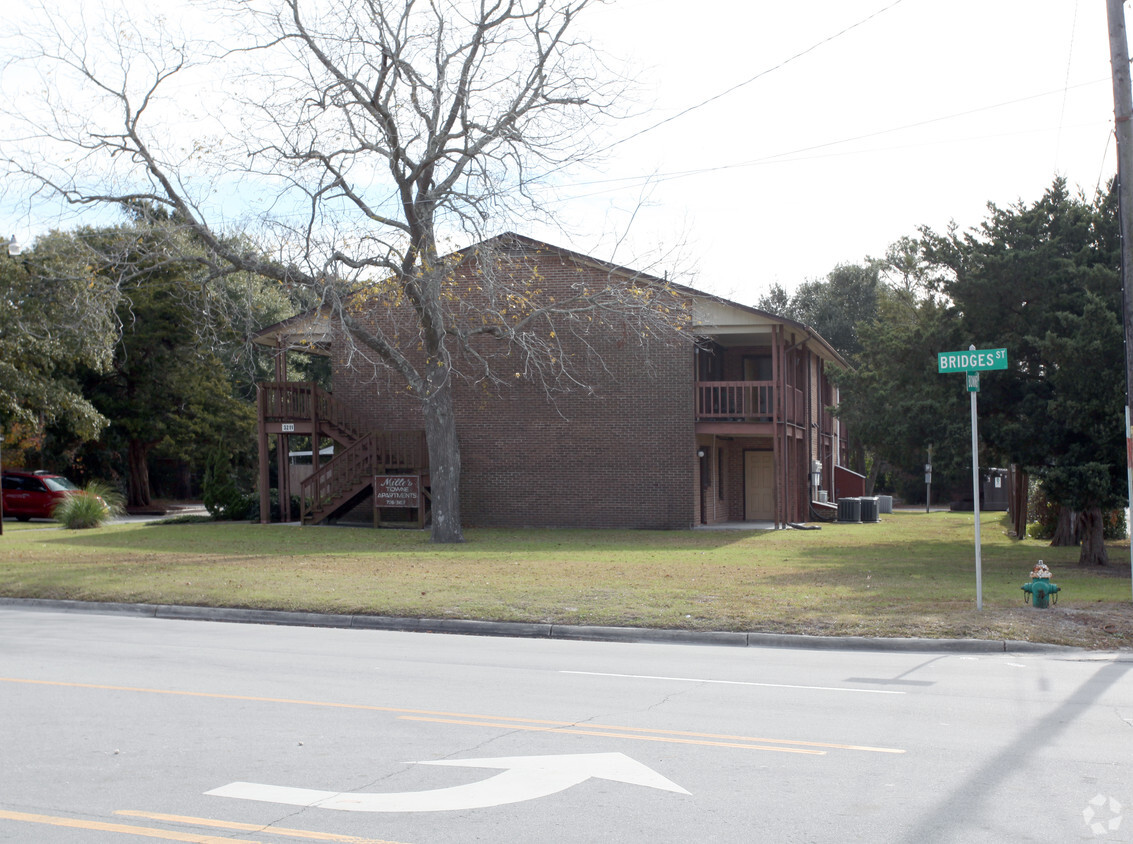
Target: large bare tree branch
pixel 355 136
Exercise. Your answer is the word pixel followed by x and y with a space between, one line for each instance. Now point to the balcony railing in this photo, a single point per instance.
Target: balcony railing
pixel 290 401
pixel 747 401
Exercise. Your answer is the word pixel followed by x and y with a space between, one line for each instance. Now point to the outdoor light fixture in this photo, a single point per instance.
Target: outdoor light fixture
pixel 700 452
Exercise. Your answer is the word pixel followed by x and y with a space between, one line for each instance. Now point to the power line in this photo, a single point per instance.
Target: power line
pixel 747 82
pixel 1066 84
pixel 826 144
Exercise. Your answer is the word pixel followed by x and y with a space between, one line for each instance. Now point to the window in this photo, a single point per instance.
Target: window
pixel 758 368
pixel 58 484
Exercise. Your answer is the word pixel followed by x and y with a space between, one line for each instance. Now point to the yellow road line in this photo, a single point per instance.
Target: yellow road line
pixel 424 714
pixel 569 731
pixel 250 827
pixel 747 740
pixel 123 829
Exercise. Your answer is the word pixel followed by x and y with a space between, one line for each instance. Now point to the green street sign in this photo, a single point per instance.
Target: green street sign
pixel 978 360
pixel 973 382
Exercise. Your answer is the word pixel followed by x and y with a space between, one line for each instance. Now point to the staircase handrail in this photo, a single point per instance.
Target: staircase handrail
pixel 338 413
pixel 374 453
pixel 348 468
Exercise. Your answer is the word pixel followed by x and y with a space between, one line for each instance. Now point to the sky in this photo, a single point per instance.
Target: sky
pixel 865 119
pixel 769 142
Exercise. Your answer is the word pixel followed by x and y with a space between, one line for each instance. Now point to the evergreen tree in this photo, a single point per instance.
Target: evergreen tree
pixel 1043 281
pixel 56 316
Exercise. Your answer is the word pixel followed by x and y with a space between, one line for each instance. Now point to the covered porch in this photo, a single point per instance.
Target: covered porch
pixel 767 444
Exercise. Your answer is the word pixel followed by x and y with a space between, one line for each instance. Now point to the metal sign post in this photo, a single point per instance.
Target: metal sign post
pixel 976 488
pixel 971 363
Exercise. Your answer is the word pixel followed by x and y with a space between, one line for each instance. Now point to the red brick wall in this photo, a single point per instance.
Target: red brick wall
pixel 623 457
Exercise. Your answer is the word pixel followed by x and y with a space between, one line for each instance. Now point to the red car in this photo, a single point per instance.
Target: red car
pixel 33 495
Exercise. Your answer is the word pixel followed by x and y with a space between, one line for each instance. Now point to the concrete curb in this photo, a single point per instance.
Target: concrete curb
pixel 470 627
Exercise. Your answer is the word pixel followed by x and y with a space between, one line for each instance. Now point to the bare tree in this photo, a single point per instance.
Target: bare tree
pixel 358 134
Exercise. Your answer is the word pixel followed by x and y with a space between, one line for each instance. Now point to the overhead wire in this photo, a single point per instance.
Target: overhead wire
pixel 788 154
pixel 1066 84
pixel 747 82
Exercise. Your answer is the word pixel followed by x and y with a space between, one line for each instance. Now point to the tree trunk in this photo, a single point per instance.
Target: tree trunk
pixel 444 462
pixel 871 478
pixel 1066 533
pixel 139 489
pixel 1091 528
pixel 1019 501
pixel 857 457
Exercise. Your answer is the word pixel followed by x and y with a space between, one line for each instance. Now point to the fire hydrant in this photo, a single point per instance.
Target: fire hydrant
pixel 1040 590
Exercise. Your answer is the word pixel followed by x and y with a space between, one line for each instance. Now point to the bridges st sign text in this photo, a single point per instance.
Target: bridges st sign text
pixel 974 360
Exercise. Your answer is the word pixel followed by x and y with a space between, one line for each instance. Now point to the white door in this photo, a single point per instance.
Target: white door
pixel 759 485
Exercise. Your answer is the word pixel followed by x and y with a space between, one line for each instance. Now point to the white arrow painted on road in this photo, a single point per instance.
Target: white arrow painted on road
pixel 523 778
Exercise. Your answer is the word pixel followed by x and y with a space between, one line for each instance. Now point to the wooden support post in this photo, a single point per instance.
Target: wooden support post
pixel 262 455
pixel 316 438
pixel 283 470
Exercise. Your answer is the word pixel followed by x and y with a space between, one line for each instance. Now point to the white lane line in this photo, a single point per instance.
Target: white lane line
pixel 738 683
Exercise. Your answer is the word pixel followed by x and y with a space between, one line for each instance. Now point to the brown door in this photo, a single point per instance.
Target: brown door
pixel 759 485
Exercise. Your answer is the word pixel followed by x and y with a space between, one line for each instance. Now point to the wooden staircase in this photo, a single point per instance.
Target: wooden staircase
pixel 352 471
pixel 304 408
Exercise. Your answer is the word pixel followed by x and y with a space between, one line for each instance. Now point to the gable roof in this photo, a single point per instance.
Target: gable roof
pixel 728 322
pixel 308 332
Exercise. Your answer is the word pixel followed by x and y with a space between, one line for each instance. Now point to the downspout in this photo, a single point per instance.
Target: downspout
pixel 719 478
pixel 792 472
pixel 810 436
pixel 776 333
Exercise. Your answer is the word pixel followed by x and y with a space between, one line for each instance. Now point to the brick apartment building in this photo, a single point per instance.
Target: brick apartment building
pixel 732 428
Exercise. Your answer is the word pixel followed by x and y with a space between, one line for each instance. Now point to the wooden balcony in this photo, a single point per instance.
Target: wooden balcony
pixel 306 408
pixel 748 403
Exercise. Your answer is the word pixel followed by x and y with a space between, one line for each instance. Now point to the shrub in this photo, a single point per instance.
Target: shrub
pixel 274 507
pixel 222 498
pixel 1042 517
pixel 92 507
pixel 1114 527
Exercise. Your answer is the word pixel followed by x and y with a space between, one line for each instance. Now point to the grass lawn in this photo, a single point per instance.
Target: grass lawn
pixel 911 575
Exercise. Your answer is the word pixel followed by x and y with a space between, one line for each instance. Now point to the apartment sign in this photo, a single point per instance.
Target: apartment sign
pixel 397 490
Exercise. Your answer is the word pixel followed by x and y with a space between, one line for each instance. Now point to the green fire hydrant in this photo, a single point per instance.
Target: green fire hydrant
pixel 1040 590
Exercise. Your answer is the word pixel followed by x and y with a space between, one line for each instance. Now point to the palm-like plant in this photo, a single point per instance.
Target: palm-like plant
pixel 89 508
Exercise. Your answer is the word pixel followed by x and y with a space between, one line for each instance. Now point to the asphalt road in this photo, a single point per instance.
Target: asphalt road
pixel 117 728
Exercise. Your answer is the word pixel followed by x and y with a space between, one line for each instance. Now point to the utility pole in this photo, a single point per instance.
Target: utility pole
pixel 1122 114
